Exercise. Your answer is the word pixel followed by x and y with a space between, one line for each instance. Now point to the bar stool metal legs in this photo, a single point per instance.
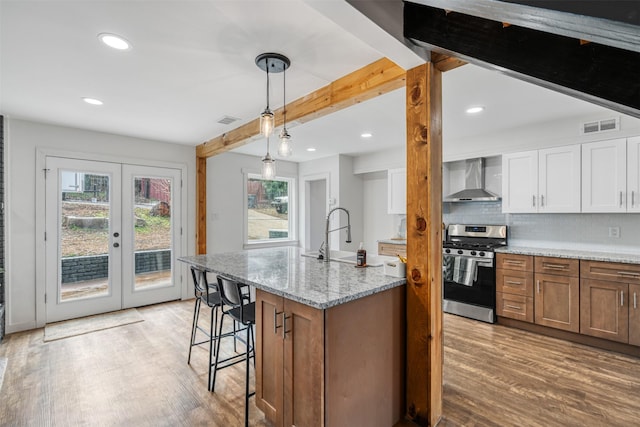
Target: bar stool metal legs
pixel 204 292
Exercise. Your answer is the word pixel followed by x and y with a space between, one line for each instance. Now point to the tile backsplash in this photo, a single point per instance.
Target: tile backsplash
pixel 580 231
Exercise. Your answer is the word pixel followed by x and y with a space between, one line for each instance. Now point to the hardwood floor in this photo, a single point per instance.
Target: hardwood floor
pixel 137 375
pixel 500 376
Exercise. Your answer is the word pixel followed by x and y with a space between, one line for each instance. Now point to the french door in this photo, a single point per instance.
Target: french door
pixel 112 235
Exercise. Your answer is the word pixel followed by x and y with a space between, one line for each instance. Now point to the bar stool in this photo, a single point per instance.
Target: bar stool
pixel 240 308
pixel 208 294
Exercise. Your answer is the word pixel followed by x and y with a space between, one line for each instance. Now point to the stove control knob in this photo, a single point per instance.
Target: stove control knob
pixel 460 252
pixel 481 254
pixel 447 251
pixel 473 253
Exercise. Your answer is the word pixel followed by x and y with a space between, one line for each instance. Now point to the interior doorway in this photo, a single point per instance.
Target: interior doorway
pixel 316 202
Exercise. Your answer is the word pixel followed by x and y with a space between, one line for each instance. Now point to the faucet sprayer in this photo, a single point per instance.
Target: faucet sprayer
pixel 327 252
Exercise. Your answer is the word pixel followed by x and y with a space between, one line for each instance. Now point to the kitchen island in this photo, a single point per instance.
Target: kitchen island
pixel 330 337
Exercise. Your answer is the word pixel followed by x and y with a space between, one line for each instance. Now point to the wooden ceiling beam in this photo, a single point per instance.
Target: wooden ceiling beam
pixel 444 62
pixel 605 75
pixel 375 79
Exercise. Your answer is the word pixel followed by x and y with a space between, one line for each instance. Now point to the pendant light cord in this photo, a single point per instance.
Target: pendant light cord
pixel 267 67
pixel 284 96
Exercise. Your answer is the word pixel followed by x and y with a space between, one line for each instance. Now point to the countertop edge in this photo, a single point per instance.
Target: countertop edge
pixel 625 258
pixel 399 281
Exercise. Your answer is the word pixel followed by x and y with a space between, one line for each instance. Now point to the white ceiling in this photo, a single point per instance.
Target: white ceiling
pixel 192 63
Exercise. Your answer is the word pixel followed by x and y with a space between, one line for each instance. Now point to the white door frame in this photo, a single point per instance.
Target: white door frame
pixel 40 219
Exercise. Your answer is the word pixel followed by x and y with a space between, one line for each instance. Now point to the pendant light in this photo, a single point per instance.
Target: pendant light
pixel 268 165
pixel 271 63
pixel 285 149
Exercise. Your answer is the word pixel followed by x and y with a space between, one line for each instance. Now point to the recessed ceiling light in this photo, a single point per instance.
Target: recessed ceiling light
pixel 366 135
pixel 114 41
pixel 475 110
pixel 311 149
pixel 92 101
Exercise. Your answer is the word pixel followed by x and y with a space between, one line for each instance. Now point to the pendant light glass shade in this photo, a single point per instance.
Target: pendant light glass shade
pixel 267 122
pixel 268 167
pixel 285 149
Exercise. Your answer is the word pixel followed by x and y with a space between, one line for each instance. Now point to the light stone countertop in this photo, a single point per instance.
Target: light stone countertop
pixel 285 272
pixel 571 253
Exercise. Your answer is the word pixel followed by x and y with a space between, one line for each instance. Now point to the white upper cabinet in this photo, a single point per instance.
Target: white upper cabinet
pixel 542 181
pixel 604 176
pixel 520 182
pixel 559 179
pixel 397 191
pixel 633 177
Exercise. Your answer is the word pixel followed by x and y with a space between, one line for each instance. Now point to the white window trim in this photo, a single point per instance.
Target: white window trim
pixel 293 212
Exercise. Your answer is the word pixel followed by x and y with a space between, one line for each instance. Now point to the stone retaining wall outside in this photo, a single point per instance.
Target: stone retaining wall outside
pixel 78 269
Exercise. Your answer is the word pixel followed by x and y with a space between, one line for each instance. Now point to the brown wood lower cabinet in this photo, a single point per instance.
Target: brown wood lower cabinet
pixel 339 366
pixel 603 312
pixel 634 314
pixel 557 301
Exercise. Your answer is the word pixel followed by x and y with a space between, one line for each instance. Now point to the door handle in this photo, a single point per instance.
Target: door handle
pixel 538 286
pixel 542 201
pixel 621 199
pixel 621 298
pixel 635 300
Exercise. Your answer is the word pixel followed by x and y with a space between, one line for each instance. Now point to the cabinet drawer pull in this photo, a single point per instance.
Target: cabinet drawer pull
pixel 628 273
pixel 275 321
pixel 284 325
pixel 511 282
pixel 515 307
pixel 538 285
pixel 510 261
pixel 555 266
pixel 621 298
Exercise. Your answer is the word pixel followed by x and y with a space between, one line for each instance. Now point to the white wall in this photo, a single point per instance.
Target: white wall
pixel 378 224
pixel 225 198
pixel 22 141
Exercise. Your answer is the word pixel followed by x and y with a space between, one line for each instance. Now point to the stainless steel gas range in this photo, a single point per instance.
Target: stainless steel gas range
pixel 469 270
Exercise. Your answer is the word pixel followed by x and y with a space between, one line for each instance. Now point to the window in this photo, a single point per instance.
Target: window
pixel 270 210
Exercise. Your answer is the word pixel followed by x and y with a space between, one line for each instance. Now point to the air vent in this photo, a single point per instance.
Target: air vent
pixel 227 120
pixel 605 125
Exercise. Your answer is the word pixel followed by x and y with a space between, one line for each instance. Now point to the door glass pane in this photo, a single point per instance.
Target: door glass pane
pixel 152 232
pixel 84 235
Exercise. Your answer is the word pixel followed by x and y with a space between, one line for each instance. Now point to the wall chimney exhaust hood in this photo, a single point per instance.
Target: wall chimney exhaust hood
pixel 474 184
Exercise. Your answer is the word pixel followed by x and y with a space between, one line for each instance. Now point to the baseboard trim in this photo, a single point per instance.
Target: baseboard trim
pixel 617 347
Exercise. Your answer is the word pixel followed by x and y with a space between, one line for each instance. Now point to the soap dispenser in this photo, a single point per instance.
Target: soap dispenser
pixel 361 256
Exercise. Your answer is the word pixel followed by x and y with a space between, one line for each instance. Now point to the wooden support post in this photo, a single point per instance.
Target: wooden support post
pixel 201 205
pixel 424 245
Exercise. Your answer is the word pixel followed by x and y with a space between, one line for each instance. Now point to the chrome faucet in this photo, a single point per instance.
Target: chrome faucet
pixel 326 254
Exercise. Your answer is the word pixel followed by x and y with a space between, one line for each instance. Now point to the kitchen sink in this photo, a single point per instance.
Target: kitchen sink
pixel 351 258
